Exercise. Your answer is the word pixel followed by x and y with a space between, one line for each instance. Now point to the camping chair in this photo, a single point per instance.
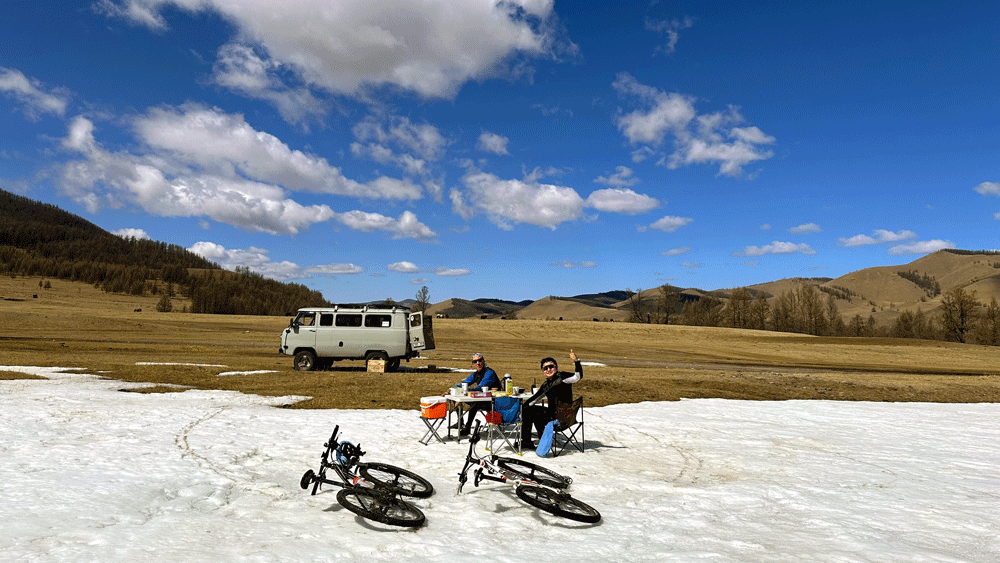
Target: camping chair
pixel 432 411
pixel 504 424
pixel 570 424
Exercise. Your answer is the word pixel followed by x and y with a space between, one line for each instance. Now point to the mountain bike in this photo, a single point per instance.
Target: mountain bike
pixel 540 487
pixel 370 490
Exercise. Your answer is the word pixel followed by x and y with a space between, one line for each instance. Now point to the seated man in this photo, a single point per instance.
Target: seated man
pixel 557 388
pixel 483 376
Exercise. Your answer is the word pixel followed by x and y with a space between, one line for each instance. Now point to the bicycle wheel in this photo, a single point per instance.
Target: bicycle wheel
pixel 397 479
pixel 558 503
pixel 307 479
pixel 380 508
pixel 532 472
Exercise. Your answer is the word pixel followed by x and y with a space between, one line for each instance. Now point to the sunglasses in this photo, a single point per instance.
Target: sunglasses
pixel 479 361
pixel 548 367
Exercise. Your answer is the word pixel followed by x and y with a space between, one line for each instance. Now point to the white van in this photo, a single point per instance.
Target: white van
pixel 319 336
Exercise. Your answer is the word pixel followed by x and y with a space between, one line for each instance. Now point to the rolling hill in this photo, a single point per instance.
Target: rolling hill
pixel 41 239
pixel 881 292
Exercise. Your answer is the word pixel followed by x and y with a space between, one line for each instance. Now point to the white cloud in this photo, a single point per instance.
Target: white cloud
pixel 695 139
pixel 257 260
pixel 138 234
pixel 164 184
pixel 241 69
pixel 671 28
pixel 406 226
pixel 677 251
pixel 508 202
pixel 619 200
pixel 549 111
pixel 775 247
pixel 32 94
pixel 765 227
pixel 691 264
pixel 567 264
pixel 353 46
pixel 220 143
pixel 989 188
pixel 335 269
pixel 622 177
pixel 670 113
pixel 421 139
pixel 491 142
pixel 752 135
pixel 881 236
pixel 403 267
pixel 806 229
pixel 921 247
pixel 671 223
pixel 451 272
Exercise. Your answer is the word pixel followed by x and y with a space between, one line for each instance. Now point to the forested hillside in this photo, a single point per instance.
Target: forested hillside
pixel 38 239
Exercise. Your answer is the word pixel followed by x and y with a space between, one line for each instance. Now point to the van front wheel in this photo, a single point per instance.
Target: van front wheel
pixel 305 361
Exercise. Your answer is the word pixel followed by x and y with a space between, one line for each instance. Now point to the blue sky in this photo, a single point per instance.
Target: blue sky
pixel 512 150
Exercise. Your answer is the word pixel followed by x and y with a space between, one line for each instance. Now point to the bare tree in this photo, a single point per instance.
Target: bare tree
pixel 706 311
pixel 636 309
pixel 165 305
pixel 859 327
pixel 958 314
pixel 423 299
pixel 760 312
pixel 669 299
pixel 988 331
pixel 810 317
pixel 737 312
pixel 835 323
pixel 783 313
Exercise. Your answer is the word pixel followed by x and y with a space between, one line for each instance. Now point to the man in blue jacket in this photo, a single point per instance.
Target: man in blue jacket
pixel 483 376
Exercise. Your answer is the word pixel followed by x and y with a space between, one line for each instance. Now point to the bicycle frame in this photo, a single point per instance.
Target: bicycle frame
pixel 488 469
pixel 329 460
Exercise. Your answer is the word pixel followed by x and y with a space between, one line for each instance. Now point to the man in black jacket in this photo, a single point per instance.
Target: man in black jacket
pixel 557 388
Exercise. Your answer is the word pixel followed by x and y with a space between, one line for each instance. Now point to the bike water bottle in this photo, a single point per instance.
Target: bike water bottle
pixel 508 383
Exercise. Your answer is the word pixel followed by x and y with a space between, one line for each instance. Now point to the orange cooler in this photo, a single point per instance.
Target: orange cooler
pixel 433 407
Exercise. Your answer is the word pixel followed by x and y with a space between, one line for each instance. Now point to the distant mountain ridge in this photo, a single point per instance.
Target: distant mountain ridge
pixel 882 292
pixel 40 239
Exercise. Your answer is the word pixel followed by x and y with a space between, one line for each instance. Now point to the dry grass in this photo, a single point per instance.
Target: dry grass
pixel 74 325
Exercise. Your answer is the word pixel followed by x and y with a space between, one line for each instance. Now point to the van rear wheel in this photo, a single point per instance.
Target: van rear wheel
pixel 305 361
pixel 379 356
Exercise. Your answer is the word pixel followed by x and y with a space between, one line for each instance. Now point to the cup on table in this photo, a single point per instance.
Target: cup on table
pixel 517 391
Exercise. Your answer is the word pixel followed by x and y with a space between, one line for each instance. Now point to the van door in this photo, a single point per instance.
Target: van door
pixel 302 332
pixel 327 345
pixel 421 337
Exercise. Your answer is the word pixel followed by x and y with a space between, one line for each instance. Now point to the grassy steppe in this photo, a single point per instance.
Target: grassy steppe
pixel 76 325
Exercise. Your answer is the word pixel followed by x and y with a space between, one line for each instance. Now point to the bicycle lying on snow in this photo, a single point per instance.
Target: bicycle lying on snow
pixel 540 487
pixel 370 490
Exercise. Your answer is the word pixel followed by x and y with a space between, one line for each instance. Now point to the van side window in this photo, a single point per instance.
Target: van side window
pixel 378 321
pixel 326 319
pixel 415 320
pixel 346 319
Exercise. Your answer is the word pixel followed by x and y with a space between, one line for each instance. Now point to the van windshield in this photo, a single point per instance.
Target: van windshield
pixel 305 319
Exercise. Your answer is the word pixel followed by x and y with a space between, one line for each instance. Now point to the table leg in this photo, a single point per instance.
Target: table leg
pixel 458 410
